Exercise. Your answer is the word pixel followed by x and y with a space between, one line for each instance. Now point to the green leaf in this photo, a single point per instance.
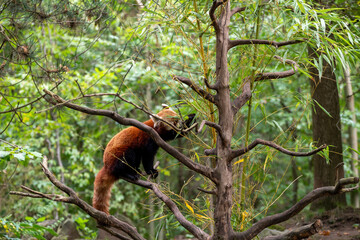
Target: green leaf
pixel 4 154
pixel 29 218
pixel 278 125
pixel 325 111
pixel 41 219
pixel 20 156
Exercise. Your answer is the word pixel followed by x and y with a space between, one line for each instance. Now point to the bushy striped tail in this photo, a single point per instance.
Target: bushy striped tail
pixel 102 190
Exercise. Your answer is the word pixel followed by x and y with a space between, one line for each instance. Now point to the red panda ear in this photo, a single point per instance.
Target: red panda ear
pixel 165 106
pixel 155 120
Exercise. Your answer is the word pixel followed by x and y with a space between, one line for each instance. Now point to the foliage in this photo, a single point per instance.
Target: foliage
pixel 87 47
pixel 28 228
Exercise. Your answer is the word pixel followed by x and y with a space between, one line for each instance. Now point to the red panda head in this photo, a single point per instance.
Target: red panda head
pixel 168 115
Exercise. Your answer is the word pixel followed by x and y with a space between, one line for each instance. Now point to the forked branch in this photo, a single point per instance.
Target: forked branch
pixel 309 198
pixel 239 152
pixel 240 101
pixel 213 125
pixel 208 96
pixel 213 8
pixel 204 170
pixel 102 218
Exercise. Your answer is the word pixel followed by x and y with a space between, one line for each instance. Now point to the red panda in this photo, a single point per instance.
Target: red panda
pixel 125 151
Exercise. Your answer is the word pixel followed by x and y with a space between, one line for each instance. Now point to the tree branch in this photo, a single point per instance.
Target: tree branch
pixel 213 8
pixel 240 101
pixel 237 10
pixel 239 152
pixel 309 198
pixel 300 232
pixel 213 125
pixel 104 219
pixel 277 75
pixel 204 170
pixel 197 232
pixel 208 96
pixel 101 217
pixel 234 43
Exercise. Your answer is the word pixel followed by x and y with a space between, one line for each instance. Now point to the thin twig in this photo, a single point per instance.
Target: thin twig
pixel 239 152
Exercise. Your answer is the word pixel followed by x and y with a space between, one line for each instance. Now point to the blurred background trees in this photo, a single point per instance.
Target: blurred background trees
pixel 134 48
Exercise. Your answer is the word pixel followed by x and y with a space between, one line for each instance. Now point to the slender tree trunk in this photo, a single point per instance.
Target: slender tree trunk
pixel 353 138
pixel 326 130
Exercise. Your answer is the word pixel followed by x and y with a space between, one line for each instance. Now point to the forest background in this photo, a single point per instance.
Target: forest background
pixel 134 49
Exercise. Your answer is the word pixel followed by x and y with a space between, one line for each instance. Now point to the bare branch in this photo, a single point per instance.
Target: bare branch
pixel 101 217
pixel 204 170
pixel 240 101
pixel 213 8
pixel 207 191
pixel 300 232
pixel 104 219
pixel 239 152
pixel 197 232
pixel 208 96
pixel 237 10
pixel 208 85
pixel 277 75
pixel 213 125
pixel 309 198
pixel 234 43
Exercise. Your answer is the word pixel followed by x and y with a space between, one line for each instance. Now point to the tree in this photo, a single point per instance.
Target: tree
pixel 226 104
pixel 326 116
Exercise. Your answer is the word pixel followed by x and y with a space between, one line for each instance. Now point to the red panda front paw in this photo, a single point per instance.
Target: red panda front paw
pixel 153 172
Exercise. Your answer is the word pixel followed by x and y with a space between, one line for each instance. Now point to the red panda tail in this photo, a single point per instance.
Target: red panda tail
pixel 102 190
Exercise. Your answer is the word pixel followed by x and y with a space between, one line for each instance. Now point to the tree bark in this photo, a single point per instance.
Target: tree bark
pixel 326 130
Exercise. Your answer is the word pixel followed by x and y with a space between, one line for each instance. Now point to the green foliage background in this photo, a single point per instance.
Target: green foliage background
pixel 87 47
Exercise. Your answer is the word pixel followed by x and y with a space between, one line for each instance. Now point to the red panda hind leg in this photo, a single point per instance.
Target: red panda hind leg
pixel 102 190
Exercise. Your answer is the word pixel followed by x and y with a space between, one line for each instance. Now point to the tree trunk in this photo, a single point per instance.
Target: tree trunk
pixel 326 130
pixel 353 138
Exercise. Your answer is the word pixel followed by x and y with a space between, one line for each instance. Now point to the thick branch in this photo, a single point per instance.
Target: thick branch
pixel 213 8
pixel 309 198
pixel 240 101
pixel 208 96
pixel 277 75
pixel 237 10
pixel 239 152
pixel 300 232
pixel 204 170
pixel 234 43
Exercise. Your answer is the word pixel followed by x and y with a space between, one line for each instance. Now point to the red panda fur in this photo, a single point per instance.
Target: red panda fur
pixel 125 151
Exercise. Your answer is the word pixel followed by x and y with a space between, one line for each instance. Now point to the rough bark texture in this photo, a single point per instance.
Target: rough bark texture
pixel 326 129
